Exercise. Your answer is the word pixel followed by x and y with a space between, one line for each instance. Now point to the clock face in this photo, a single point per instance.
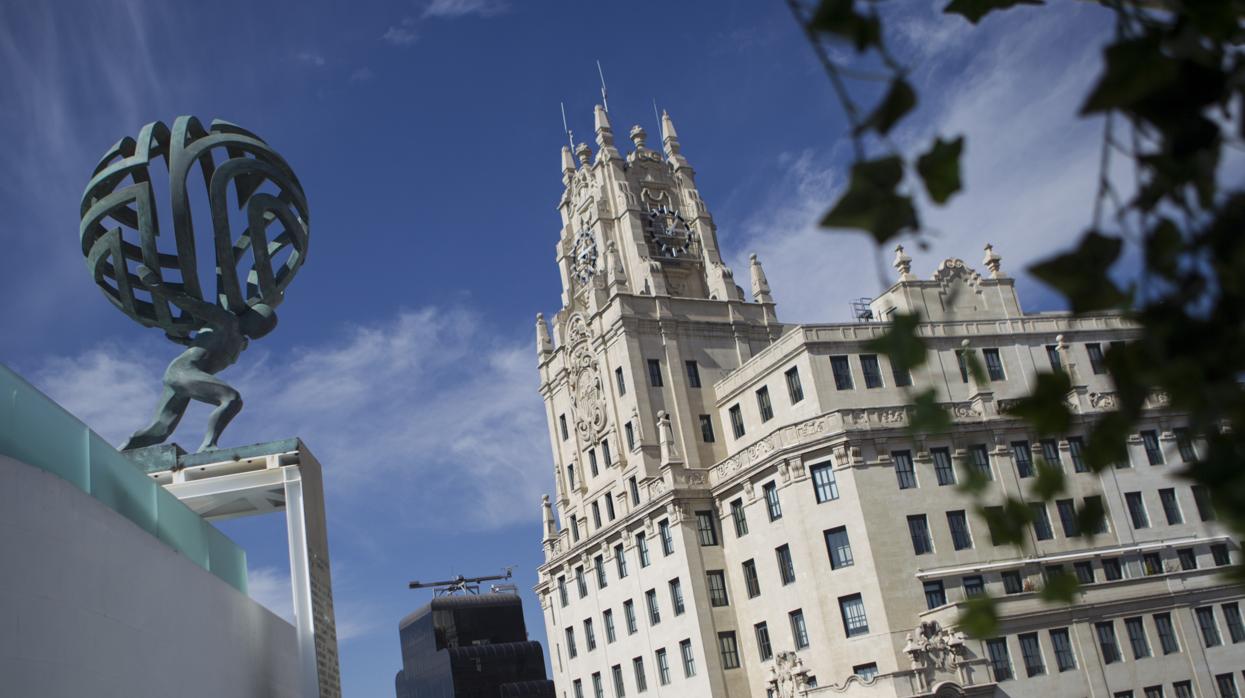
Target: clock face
pixel 585 256
pixel 669 232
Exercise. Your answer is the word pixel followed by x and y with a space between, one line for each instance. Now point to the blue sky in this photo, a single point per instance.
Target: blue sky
pixel 426 134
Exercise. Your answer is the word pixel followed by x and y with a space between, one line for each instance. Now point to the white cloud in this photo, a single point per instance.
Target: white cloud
pixel 450 9
pixel 401 34
pixel 429 414
pixel 270 588
pixel 310 58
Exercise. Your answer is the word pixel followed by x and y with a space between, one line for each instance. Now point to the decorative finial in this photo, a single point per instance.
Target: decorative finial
pixel 760 285
pixel 584 153
pixel 544 345
pixel 993 262
pixel 903 264
pixel 669 137
pixel 638 136
pixel 568 160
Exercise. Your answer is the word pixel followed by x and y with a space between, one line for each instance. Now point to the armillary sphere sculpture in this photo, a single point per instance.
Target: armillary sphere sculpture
pixel 263 239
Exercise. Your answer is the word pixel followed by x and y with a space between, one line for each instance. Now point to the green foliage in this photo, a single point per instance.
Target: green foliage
pixel 1060 587
pixel 839 18
pixel 1081 274
pixel 979 616
pixel 940 168
pixel 1048 482
pixel 928 416
pixel 1046 408
pixel 1008 523
pixel 899 100
pixel 871 202
pixel 900 342
pixel 974 10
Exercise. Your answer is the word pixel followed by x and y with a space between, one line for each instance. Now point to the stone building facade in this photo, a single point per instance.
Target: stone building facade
pixel 744 512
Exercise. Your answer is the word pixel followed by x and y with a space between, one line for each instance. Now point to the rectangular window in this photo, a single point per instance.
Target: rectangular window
pixel 629 616
pixel 957 521
pixel 1067 518
pixel 1041 521
pixel 1050 453
pixel 598 689
pixel 654 373
pixel 1153 691
pixel 918 528
pixel 935 594
pixel 901 375
pixel 599 563
pixel 1226 683
pixel 1107 643
pixel 839 548
pixel 1012 583
pixel 1232 615
pixel 786 568
pixel 1201 497
pixel 1151 563
pixel 772 505
pixel 616 672
pixel 641 681
pixel 1206 621
pixel 609 506
pixel 871 371
pixel 620 381
pixel 689 662
pixel 562 591
pixel 706 429
pixel 1000 661
pixel 1137 510
pixel 729 649
pixel 592 461
pixel 562 427
pixel 663 667
pixel 1097 364
pixel 607 619
pixel 764 649
pixel 750 579
pixel 580 582
pixel 1052 355
pixel 571 650
pixel 1167 633
pixel 961 358
pixel 1065 660
pixel 1188 558
pixel 974 585
pixel 620 561
pixel 1184 444
pixel 795 390
pixel 737 421
pixel 763 405
pixel 1031 654
pixel 1076 449
pixel 994 364
pixel 635 489
pixel 630 436
pixel 1137 637
pixel 693 374
pixel 1084 571
pixel 980 457
pixel 590 637
pixel 706 531
pixel 852 608
pixel 1023 457
pixel 717 588
pixel 605 452
pixel 579 688
pixel 799 631
pixel 1111 569
pixel 866 671
pixel 667 540
pixel 654 613
pixel 1154 453
pixel 842 371
pixel 1171 507
pixel 1184 689
pixel 943 468
pixel 739 517
pixel 596 514
pixel 676 596
pixel 825 488
pixel 574 528
pixel 904 471
pixel 641 546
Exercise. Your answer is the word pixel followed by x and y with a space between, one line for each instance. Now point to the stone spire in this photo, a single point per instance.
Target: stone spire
pixel 551 526
pixel 993 262
pixel 544 346
pixel 760 285
pixel 568 163
pixel 605 134
pixel 669 137
pixel 903 264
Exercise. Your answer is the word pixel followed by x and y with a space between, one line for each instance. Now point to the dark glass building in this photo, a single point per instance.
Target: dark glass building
pixel 470 646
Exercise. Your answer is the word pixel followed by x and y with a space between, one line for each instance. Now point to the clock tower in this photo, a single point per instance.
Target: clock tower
pixel 651 317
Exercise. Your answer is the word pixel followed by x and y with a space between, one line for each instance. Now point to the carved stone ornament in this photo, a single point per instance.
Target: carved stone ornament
pixel 934 648
pixel 587 389
pixel 1103 401
pixel 952 268
pixel 787 676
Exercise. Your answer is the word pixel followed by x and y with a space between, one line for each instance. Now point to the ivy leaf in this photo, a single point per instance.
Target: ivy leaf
pixel 1107 442
pixel 972 480
pixel 900 343
pixel 980 617
pixel 871 203
pixel 1060 587
pixel 1049 481
pixel 1081 274
pixel 1135 69
pixel 840 18
pixel 940 169
pixel 1007 523
pixel 1090 516
pixel 974 10
pixel 928 417
pixel 899 100
pixel 1046 408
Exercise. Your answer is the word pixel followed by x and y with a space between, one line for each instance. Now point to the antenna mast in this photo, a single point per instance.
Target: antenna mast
pixel 657 115
pixel 570 137
pixel 605 100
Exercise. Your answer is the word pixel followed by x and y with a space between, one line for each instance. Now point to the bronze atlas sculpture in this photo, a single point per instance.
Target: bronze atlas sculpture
pixel 258 219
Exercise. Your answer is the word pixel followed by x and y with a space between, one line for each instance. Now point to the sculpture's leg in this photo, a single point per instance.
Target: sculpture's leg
pixel 207 388
pixel 169 412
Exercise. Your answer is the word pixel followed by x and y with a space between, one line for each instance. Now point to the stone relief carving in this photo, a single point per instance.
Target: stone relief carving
pixel 952 268
pixel 965 410
pixel 787 676
pixel 1103 401
pixel 934 649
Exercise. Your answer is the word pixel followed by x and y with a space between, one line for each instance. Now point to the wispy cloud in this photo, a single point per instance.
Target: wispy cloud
pixel 451 9
pixel 310 58
pixel 403 33
pixel 363 74
pixel 270 588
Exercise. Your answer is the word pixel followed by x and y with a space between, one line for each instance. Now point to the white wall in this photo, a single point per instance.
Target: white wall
pixel 92 605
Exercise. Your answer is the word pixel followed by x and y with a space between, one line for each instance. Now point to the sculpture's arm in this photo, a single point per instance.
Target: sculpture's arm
pixel 204 311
